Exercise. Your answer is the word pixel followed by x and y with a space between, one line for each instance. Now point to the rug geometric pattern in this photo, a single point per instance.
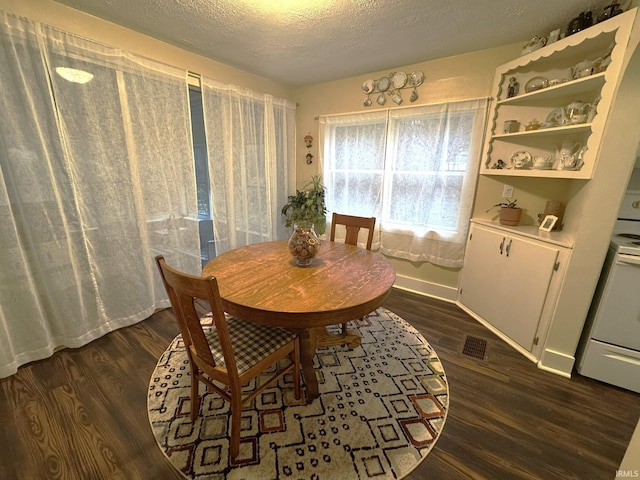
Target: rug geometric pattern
pixel 381 409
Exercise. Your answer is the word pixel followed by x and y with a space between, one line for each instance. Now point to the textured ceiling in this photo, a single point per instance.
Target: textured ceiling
pixel 311 41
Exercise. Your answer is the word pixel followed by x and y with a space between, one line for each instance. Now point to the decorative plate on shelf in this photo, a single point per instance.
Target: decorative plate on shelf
pixel 557 81
pixel 416 78
pixel 540 162
pixel 383 84
pixel 536 83
pixel 521 160
pixel 399 79
pixel 368 86
pixel 556 118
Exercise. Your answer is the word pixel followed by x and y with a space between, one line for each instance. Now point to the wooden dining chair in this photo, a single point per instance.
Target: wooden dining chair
pixel 353 225
pixel 239 352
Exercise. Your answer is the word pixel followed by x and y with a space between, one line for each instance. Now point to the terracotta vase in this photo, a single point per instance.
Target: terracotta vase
pixel 510 216
pixel 304 244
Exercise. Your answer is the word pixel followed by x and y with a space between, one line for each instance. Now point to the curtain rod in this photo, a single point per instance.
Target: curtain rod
pixel 400 108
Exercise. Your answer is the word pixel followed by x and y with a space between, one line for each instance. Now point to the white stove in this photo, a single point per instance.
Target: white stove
pixel 610 351
pixel 626 232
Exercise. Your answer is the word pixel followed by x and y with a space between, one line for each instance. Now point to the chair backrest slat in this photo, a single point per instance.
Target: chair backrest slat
pixel 184 290
pixel 353 224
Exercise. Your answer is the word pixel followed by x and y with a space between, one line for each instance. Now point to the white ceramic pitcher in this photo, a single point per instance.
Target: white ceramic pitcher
pixel 568 155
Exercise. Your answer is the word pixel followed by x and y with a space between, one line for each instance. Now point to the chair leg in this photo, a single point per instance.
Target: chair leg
pixel 236 421
pixel 296 369
pixel 195 397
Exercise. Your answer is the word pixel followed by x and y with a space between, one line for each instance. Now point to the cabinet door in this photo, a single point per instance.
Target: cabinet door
pixel 528 270
pixel 483 271
pixel 505 280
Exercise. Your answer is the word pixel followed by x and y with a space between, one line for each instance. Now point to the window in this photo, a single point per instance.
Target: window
pixel 200 153
pixel 414 169
pixel 205 221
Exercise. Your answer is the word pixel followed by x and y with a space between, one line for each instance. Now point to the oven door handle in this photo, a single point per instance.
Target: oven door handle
pixel 623 358
pixel 624 259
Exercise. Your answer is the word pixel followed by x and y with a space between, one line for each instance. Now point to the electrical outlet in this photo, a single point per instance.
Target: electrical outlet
pixel 507 191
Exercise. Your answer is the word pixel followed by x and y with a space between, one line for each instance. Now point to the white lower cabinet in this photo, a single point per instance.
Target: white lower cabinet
pixel 506 280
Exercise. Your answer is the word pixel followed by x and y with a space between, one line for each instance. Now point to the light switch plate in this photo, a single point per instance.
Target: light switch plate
pixel 507 191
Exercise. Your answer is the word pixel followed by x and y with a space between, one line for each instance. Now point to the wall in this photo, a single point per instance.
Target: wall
pixel 74 21
pixel 461 77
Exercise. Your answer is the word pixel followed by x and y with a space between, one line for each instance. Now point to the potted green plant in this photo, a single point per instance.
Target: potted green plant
pixel 307 206
pixel 306 213
pixel 510 213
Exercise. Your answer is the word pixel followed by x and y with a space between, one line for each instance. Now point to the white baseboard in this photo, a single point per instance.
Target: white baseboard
pixel 441 292
pixel 550 361
pixel 556 362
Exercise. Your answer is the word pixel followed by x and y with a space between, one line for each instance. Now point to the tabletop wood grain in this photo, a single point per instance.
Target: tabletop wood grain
pixel 262 283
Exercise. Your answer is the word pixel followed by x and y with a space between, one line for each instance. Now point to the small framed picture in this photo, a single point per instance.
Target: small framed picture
pixel 548 223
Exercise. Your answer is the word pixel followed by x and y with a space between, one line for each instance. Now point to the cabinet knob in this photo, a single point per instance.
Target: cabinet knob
pixel 636 204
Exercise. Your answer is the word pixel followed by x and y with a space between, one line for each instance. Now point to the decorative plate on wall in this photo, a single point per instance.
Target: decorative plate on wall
pixel 383 84
pixel 399 79
pixel 368 86
pixel 416 78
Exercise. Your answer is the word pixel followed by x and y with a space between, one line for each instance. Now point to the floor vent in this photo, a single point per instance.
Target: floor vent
pixel 474 347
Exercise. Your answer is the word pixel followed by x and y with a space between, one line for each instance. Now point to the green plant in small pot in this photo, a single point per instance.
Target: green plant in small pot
pixel 307 206
pixel 510 213
pixel 306 213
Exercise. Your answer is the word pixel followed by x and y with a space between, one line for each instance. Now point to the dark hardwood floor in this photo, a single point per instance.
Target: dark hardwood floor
pixel 81 414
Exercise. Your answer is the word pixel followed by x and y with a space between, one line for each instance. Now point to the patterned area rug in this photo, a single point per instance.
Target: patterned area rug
pixel 381 409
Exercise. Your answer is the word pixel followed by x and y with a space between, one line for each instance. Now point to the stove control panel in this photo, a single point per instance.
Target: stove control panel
pixel 630 208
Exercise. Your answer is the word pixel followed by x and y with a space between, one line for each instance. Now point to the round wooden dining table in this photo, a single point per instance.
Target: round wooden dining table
pixel 261 283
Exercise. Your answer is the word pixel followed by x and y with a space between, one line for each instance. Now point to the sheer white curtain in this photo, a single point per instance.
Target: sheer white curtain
pixel 250 142
pixel 414 169
pixel 352 151
pixel 95 179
